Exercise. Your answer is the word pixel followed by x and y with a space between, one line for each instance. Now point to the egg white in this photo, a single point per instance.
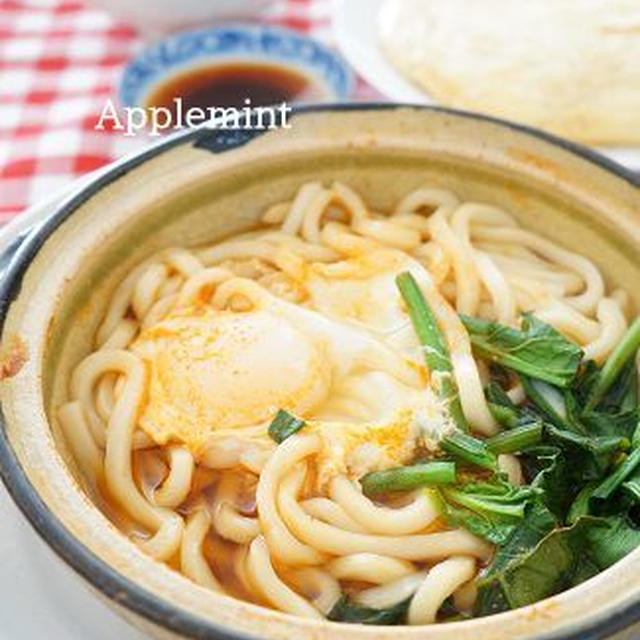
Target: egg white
pixel 346 361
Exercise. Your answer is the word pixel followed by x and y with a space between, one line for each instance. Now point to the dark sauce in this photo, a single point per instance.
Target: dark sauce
pixel 232 84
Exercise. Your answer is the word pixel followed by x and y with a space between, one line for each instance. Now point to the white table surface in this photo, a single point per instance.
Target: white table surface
pixel 40 597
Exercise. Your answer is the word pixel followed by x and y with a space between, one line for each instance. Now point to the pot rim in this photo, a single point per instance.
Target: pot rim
pixel 102 576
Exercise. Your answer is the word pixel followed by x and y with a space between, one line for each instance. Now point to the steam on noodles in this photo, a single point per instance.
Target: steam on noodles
pixel 345 413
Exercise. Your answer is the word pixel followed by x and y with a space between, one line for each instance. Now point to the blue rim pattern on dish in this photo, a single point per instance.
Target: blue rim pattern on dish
pixel 234 42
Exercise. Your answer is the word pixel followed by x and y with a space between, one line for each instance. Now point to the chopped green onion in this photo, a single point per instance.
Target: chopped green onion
pixel 284 425
pixel 434 347
pixel 624 350
pixel 407 478
pixel 501 406
pixel 505 416
pixel 516 439
pixel 469 449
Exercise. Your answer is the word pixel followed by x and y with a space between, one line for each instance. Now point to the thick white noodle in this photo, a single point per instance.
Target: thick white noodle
pixel 264 578
pixel 391 593
pixel 441 581
pixel 192 561
pixel 329 539
pixel 416 516
pixel 467 257
pixel 369 567
pixel 282 543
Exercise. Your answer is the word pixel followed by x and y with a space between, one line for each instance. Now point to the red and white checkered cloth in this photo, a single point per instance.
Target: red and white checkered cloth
pixel 59 62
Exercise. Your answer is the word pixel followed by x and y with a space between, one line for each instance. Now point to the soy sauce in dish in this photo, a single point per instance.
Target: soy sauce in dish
pixel 231 84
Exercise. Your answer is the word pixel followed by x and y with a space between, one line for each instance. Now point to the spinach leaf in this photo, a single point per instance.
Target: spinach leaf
pixel 612 540
pixel 623 394
pixel 584 570
pixel 345 610
pixel 611 483
pixel 594 453
pixel 615 365
pixel 537 349
pixel 556 474
pixel 548 401
pixel 617 413
pixel 490 510
pixel 621 424
pixel 582 504
pixel 536 571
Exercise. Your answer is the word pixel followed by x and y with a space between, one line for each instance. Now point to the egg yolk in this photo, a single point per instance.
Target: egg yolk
pixel 210 370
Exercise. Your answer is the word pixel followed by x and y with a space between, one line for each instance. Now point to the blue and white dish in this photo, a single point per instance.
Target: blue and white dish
pixel 234 43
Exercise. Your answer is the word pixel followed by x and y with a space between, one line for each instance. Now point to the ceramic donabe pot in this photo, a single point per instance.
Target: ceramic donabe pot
pixel 204 185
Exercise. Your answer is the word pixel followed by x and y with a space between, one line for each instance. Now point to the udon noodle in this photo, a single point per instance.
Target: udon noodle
pixel 168 417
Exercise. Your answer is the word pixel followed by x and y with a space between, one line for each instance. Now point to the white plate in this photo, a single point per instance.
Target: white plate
pixel 355 23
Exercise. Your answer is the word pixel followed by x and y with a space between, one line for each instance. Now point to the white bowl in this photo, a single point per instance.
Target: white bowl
pixel 162 16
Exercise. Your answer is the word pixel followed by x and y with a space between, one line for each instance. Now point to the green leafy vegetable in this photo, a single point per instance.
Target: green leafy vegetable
pixel 622 395
pixel 536 350
pixel 434 347
pixel 502 409
pixel 632 486
pixel 550 401
pixel 494 584
pixel 409 477
pixel 525 574
pixel 615 363
pixel 612 540
pixel 617 413
pixel 284 425
pixel 580 506
pixel 346 610
pixel 469 449
pixel 591 448
pixel 556 474
pixel 490 510
pixel 606 488
pixel 603 423
pixel 572 431
pixel 596 451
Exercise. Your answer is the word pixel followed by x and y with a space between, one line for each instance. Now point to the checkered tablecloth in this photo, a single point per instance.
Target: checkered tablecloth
pixel 59 62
